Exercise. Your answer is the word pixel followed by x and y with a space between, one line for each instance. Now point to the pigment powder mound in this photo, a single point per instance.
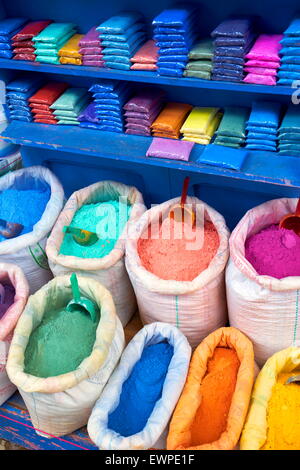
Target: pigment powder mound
pixel 178 253
pixel 216 390
pixel 107 219
pixel 283 416
pixel 142 390
pixel 24 207
pixel 60 343
pixel 8 298
pixel 274 252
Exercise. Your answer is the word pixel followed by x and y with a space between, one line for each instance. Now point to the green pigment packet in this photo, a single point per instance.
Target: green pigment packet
pixel 200 65
pixel 75 111
pixel 235 146
pixel 69 99
pixel 68 122
pixel 233 122
pixel 229 140
pixel 47 59
pixel 197 74
pixel 202 50
pixel 291 121
pixel 56 45
pixel 55 32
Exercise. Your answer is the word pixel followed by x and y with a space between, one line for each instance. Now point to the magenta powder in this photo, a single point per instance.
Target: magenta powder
pixel 274 252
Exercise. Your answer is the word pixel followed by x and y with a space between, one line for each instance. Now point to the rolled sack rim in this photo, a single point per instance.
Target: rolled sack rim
pixel 256 219
pixel 89 366
pixel 171 287
pixel 75 202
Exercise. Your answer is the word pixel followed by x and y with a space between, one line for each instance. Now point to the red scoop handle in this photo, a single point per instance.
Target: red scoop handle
pixel 185 188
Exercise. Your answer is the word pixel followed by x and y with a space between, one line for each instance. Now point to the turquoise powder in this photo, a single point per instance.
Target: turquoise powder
pixel 107 219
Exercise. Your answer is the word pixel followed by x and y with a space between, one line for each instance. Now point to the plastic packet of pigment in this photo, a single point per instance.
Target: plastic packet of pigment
pixel 120 24
pixel 55 32
pixel 9 25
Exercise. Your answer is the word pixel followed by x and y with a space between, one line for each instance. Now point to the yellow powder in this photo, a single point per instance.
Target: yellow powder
pixel 283 416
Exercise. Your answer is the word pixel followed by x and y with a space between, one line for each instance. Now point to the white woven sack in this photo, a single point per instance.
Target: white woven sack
pixel 13 274
pixel 59 405
pixel 109 270
pixel 105 438
pixel 196 307
pixel 27 251
pixel 266 309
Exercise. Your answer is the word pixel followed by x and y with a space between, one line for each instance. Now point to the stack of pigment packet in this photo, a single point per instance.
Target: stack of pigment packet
pixel 290 54
pixel 169 121
pixel 109 99
pixel 146 57
pixel 8 28
pixel 142 109
pixel 200 60
pixel 50 41
pixel 201 125
pixel 174 33
pixel 232 129
pixel 69 53
pixel 41 101
pixel 232 40
pixel 69 105
pixel 262 126
pixel 263 60
pixel 23 46
pixel 91 49
pixel 289 133
pixel 121 36
pixel 18 93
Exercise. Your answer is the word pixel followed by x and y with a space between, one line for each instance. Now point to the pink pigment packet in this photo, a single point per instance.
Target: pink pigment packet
pixel 262 63
pixel 147 54
pixel 266 47
pixel 171 149
pixel 143 67
pixel 261 71
pixel 135 132
pixel 259 79
pixel 94 63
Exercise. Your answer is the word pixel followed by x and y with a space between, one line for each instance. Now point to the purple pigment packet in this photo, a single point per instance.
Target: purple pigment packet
pixel 94 63
pixel 145 101
pixel 91 39
pixel 89 114
pixel 171 149
pixel 90 50
pixel 133 132
pixel 137 127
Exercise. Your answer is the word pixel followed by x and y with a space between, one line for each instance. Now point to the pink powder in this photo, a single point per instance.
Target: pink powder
pixel 178 259
pixel 274 252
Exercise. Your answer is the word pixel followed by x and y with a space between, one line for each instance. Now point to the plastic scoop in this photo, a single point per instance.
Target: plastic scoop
pixel 10 229
pixel 80 236
pixel 292 221
pixel 293 379
pixel 181 213
pixel 82 304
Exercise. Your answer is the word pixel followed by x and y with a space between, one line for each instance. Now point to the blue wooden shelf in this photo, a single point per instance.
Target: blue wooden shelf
pixel 259 166
pixel 16 426
pixel 144 77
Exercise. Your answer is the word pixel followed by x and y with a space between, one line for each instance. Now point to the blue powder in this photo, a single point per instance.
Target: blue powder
pixel 24 207
pixel 141 390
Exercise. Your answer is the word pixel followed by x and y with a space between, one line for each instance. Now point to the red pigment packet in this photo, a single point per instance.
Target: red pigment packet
pixel 23 44
pixel 46 121
pixel 31 29
pixel 46 116
pixel 36 106
pixel 24 50
pixel 30 57
pixel 49 93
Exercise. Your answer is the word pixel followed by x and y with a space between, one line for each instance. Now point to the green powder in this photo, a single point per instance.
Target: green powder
pixel 60 343
pixel 107 219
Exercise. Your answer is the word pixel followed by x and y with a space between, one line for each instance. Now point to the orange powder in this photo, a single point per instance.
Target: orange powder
pixel 173 253
pixel 216 390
